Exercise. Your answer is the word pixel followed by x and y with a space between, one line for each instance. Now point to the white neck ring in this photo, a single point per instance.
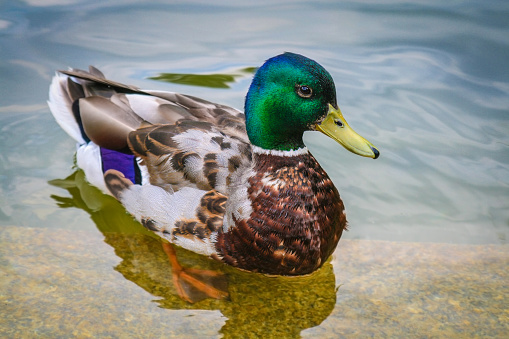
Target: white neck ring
pixel 292 153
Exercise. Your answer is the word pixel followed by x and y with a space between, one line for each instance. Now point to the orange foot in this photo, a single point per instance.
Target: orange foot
pixel 194 285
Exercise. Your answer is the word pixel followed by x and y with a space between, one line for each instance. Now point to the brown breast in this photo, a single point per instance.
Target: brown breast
pixel 296 223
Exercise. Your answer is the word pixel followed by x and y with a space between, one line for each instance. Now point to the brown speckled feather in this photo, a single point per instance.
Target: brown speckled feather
pixel 296 222
pixel 209 221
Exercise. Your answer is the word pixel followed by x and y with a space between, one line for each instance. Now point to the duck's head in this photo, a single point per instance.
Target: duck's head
pixel 291 94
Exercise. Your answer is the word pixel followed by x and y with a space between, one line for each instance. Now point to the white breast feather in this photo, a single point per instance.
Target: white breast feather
pixel 238 204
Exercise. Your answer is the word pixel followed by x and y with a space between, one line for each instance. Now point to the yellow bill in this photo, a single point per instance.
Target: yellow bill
pixel 335 126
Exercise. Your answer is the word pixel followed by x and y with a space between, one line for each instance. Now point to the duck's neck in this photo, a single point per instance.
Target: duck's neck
pixel 269 124
pixel 274 137
pixel 280 153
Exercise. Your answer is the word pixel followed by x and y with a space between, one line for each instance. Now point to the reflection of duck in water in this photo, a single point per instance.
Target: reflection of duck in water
pixel 241 189
pixel 263 306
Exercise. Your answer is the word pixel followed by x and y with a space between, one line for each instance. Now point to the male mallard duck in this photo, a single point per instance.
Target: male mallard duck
pixel 240 188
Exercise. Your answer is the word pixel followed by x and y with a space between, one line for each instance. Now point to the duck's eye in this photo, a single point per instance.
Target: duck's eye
pixel 338 122
pixel 304 91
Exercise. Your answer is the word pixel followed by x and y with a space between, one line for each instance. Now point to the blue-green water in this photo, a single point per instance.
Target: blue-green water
pixel 426 81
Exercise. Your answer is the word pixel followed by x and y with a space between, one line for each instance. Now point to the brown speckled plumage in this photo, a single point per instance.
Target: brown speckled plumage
pixel 294 227
pixel 209 217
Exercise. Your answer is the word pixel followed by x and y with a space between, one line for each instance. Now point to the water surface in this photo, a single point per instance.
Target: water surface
pixel 427 82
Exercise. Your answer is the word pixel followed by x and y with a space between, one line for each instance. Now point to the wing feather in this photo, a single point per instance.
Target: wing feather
pixel 194 152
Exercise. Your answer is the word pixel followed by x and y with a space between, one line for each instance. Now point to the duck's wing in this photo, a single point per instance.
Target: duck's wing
pixel 173 158
pixel 155 107
pixel 190 154
pixel 183 141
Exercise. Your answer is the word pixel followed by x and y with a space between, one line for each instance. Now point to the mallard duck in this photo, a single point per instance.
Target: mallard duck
pixel 241 188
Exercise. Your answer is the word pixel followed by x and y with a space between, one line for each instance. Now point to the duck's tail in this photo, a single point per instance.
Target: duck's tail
pixel 60 102
pixel 100 146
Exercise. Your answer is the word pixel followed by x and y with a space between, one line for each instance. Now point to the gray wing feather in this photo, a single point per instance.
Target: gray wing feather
pixel 183 140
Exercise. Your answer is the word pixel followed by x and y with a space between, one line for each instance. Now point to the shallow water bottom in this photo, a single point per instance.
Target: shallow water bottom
pixel 58 283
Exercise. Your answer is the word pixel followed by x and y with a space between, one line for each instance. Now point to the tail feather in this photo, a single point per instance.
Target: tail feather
pixel 84 109
pixel 60 103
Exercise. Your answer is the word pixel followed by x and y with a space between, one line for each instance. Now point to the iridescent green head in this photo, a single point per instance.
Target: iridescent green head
pixel 291 94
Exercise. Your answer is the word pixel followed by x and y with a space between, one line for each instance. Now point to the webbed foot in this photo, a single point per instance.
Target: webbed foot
pixel 194 285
